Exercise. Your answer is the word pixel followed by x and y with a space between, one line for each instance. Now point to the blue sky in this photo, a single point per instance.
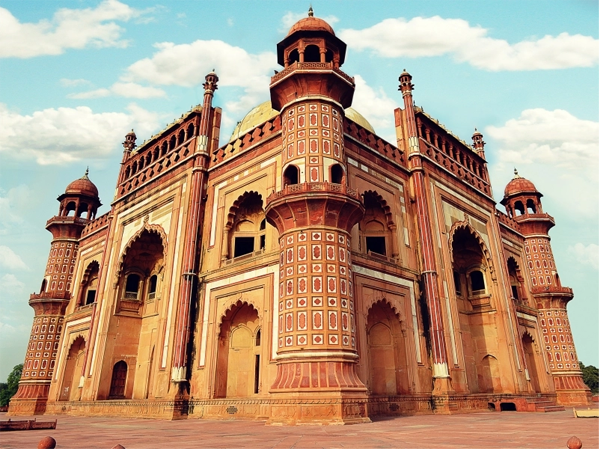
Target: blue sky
pixel 76 76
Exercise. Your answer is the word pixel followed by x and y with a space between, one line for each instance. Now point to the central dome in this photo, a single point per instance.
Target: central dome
pixel 263 112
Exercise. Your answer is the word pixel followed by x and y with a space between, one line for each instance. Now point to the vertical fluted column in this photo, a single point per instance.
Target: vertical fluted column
pixel 429 270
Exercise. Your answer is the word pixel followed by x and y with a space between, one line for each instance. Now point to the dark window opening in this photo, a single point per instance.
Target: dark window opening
pixel 294 56
pixel 90 297
pixel 290 176
pixel 515 292
pixel 256 373
pixel 312 54
pixel 263 242
pixel 376 244
pixel 477 283
pixel 44 284
pixel 243 246
pixel 337 174
pixel 508 406
pixel 132 286
pixel 257 340
pixel 530 207
pixel 328 55
pixel 152 286
pixel 263 224
pixel 519 208
pixel 457 284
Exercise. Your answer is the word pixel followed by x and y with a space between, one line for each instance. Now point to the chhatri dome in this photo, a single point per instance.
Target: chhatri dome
pixel 519 185
pixel 311 23
pixel 82 186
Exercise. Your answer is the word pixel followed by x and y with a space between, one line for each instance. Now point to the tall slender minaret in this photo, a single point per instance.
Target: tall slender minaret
pixel 179 373
pixel 429 277
pixel 314 211
pixel 78 205
pixel 523 203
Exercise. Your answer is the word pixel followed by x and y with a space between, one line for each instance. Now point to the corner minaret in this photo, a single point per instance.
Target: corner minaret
pixel 189 281
pixel 314 210
pixel 523 203
pixel 78 205
pixel 442 383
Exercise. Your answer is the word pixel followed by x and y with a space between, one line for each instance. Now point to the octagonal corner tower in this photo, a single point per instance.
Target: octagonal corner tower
pixel 314 213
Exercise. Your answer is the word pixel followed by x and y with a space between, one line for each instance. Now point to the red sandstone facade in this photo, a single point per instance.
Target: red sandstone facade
pixel 306 271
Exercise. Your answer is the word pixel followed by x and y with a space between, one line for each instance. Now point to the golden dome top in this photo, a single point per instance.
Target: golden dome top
pixel 257 115
pixel 358 118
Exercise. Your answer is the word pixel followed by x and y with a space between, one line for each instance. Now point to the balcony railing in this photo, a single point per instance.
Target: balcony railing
pixel 314 187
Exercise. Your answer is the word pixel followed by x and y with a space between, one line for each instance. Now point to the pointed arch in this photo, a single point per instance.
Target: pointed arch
pixel 233 211
pixel 384 206
pixel 386 303
pixel 244 232
pixel 484 249
pixel 147 227
pixel 233 308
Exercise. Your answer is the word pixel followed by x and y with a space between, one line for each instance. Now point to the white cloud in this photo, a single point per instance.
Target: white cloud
pixel 63 135
pixel 374 105
pixel 10 285
pixel 436 36
pixel 127 90
pixel 67 82
pixel 69 28
pixel 586 255
pixel 557 151
pixel 290 18
pixel 13 206
pixel 187 64
pixel 548 137
pixel 10 260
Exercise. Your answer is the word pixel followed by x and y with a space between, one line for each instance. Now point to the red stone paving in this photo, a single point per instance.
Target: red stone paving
pixel 479 430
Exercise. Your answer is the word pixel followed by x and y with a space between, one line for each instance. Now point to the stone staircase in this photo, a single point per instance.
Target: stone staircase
pixel 542 404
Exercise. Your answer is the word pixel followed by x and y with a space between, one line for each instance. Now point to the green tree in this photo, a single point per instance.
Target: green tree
pixel 8 389
pixel 590 376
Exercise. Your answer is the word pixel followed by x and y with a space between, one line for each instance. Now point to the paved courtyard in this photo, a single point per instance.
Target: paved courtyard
pixel 479 430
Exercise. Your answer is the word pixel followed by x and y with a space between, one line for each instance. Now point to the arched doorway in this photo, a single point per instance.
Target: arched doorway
pixel 238 359
pixel 118 380
pixel 386 351
pixel 529 349
pixel 70 380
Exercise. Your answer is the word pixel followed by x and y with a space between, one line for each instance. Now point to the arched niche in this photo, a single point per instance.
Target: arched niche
pixel 239 353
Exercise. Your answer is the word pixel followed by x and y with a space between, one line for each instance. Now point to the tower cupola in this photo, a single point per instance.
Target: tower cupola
pixel 80 199
pixel 311 55
pixel 478 143
pixel 521 198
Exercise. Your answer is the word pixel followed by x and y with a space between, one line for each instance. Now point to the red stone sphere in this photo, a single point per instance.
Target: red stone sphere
pixel 47 442
pixel 574 442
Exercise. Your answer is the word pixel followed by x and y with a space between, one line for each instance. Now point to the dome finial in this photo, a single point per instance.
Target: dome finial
pixel 310 11
pixel 516 172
